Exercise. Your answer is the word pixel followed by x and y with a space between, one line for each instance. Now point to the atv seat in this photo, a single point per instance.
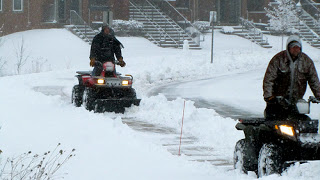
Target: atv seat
pixel 84 72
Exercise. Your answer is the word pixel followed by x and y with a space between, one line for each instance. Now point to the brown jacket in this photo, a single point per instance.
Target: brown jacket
pixel 277 80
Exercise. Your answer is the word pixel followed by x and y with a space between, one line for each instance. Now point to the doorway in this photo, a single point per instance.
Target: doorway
pixel 229 11
pixel 76 6
pixel 62 10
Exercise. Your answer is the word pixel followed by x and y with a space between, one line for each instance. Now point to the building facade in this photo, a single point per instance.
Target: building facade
pixel 21 15
pixel 228 11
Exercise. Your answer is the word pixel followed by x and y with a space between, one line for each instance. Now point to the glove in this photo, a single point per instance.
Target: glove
pixel 121 62
pixel 92 61
pixel 270 99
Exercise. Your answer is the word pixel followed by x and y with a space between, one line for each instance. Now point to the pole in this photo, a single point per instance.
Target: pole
pixel 212 40
pixel 184 106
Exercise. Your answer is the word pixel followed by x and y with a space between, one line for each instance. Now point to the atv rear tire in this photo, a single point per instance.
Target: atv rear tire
pixel 244 157
pixel 88 98
pixel 270 160
pixel 76 97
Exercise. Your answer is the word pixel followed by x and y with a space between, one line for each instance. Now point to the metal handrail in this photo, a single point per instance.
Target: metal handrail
pixel 165 17
pixel 162 32
pixel 306 26
pixel 177 14
pixel 251 24
pixel 186 20
pixel 77 20
pixel 174 24
pixel 310 3
pixel 313 19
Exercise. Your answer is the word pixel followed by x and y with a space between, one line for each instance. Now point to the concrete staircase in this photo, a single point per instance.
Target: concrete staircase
pixel 85 32
pixel 160 28
pixel 80 28
pixel 248 30
pixel 309 29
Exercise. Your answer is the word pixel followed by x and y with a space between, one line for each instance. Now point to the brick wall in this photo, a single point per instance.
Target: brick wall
pixel 29 18
pixel 120 9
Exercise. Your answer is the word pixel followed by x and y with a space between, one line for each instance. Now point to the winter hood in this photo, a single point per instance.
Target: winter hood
pixel 293 38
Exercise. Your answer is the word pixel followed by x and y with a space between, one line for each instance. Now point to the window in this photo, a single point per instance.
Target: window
pixel 17 5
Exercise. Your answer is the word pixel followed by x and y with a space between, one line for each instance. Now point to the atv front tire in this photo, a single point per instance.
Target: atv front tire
pixel 270 160
pixel 76 97
pixel 88 98
pixel 244 157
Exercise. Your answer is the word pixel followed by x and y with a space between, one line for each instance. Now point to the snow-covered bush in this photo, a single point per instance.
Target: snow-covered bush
pixel 127 28
pixel 227 30
pixel 202 26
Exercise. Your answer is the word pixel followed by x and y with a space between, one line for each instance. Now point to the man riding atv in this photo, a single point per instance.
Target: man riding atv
pixel 287 76
pixel 104 89
pixel 103 48
pixel 286 135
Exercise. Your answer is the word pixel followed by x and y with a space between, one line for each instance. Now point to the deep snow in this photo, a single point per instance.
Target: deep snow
pixel 106 148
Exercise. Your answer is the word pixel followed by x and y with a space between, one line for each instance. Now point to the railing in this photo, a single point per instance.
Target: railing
pixel 315 37
pixel 75 19
pixel 246 24
pixel 314 21
pixel 163 33
pixel 311 8
pixel 178 18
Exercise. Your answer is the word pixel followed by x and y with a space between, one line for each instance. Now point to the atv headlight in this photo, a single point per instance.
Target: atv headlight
pixel 100 81
pixel 125 83
pixel 288 130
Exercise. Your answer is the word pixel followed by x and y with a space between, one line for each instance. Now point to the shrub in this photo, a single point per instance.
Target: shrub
pixel 202 26
pixel 227 30
pixel 127 28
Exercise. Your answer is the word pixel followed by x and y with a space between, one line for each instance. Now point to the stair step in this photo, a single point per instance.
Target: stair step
pixel 157 24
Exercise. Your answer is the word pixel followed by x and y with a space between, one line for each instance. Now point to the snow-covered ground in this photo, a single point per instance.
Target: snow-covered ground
pixel 36 113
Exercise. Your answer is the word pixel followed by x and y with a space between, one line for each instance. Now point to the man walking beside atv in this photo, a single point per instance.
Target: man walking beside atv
pixel 103 49
pixel 287 76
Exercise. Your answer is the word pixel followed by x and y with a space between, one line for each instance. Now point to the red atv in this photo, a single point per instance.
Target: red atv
pixel 108 92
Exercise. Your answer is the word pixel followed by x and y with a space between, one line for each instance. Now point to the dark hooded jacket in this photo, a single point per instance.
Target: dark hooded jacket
pixel 288 78
pixel 104 47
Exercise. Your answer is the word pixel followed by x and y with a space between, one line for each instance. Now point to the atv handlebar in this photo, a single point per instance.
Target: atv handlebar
pixel 284 101
pixel 313 100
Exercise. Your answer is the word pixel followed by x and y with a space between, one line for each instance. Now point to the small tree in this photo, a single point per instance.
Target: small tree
pixel 21 55
pixel 283 16
pixel 37 64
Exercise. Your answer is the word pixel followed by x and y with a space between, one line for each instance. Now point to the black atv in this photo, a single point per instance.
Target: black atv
pixel 108 92
pixel 270 146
